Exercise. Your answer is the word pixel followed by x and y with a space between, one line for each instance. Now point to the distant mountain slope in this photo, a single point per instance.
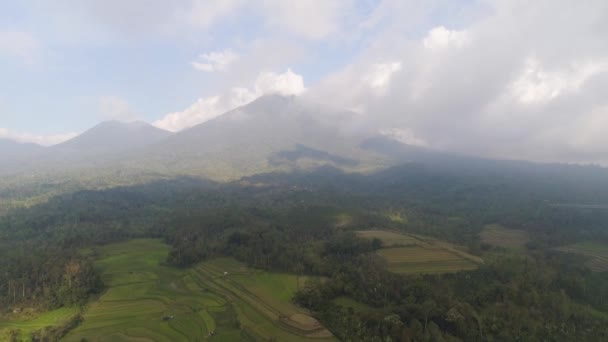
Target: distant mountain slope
pixel 271 133
pixel 114 136
pixel 12 148
pixel 15 156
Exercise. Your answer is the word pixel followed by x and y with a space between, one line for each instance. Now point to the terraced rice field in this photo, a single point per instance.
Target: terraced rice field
pixel 597 253
pixel 261 300
pixel 26 326
pixel 497 235
pixel 146 301
pixel 409 253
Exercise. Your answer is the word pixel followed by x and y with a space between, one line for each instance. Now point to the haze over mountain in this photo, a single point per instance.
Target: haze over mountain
pixel 272 133
pixel 115 136
pixel 13 154
pixel 13 148
pixel 255 137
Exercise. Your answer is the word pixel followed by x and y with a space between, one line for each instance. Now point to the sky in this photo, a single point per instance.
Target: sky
pixel 495 78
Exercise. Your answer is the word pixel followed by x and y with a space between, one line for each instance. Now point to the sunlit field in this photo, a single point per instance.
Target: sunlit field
pixel 220 299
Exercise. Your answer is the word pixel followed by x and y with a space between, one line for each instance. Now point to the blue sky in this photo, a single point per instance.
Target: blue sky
pixel 71 56
pixel 495 78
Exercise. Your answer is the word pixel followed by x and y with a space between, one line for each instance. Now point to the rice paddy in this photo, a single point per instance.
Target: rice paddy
pixel 597 254
pixel 218 300
pixel 21 327
pixel 497 235
pixel 411 254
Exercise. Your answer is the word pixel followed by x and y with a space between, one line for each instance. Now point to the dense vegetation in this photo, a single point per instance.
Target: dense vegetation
pixel 306 223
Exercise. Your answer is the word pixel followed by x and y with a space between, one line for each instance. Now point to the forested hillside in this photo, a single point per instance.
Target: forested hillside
pixel 306 223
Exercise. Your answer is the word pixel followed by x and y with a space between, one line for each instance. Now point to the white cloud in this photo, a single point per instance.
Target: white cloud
pixel 510 82
pixel 380 75
pixel 287 83
pixel 404 135
pixel 205 13
pixel 40 139
pixel 204 109
pixel 441 38
pixel 115 108
pixel 19 44
pixel 537 85
pixel 311 19
pixel 215 61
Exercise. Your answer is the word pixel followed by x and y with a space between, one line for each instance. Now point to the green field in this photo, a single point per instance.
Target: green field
pixel 146 301
pixel 24 327
pixel 409 253
pixel 497 235
pixel 596 252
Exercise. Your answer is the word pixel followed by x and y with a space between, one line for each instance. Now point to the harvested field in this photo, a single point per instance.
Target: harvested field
pixel 417 259
pixel 497 235
pixel 597 254
pixel 409 253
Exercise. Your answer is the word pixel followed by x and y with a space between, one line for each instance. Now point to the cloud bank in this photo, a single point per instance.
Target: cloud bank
pixel 204 109
pixel 495 78
pixel 524 80
pixel 40 139
pixel 215 61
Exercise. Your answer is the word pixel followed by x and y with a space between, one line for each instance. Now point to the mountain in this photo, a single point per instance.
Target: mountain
pixel 15 155
pixel 10 148
pixel 114 136
pixel 272 133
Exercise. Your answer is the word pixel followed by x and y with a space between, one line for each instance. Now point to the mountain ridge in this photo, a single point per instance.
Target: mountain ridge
pixel 273 133
pixel 112 136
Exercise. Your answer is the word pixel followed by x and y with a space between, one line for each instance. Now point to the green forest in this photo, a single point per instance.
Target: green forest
pixel 358 243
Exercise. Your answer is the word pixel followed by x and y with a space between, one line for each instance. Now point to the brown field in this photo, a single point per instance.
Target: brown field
pixel 418 259
pixel 389 238
pixel 409 253
pixel 597 253
pixel 497 235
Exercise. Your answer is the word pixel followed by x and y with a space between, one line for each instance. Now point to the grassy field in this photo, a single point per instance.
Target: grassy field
pixel 25 326
pixel 597 253
pixel 146 301
pixel 497 235
pixel 409 253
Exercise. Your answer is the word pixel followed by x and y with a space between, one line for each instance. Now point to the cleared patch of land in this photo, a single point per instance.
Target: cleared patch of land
pixel 409 253
pixel 219 300
pixel 497 235
pixel 597 253
pixel 343 220
pixel 397 217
